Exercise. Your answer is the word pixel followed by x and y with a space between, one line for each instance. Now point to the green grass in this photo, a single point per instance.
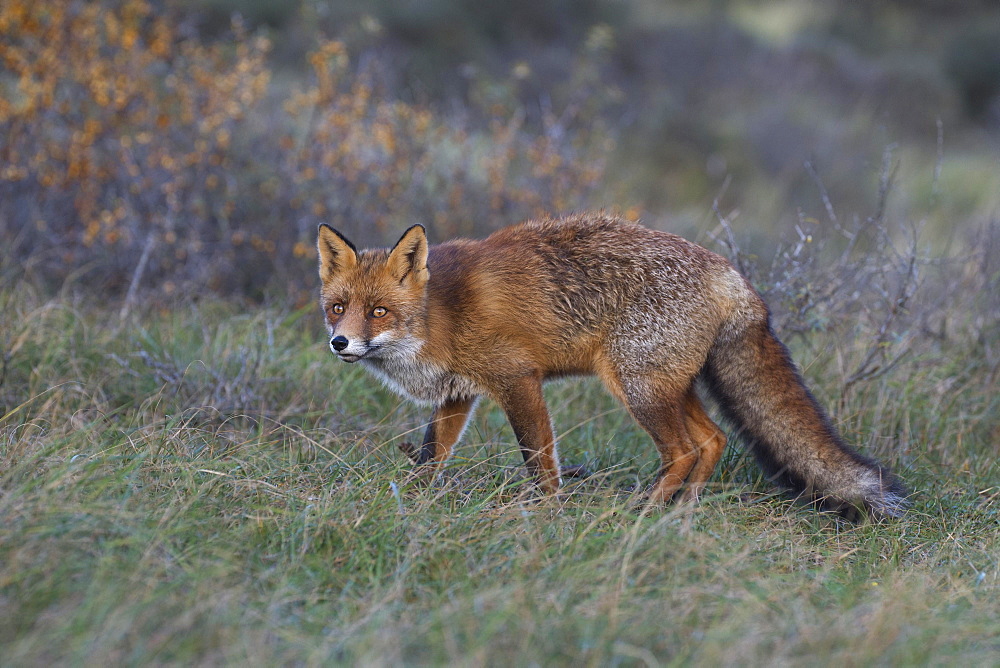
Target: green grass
pixel 206 485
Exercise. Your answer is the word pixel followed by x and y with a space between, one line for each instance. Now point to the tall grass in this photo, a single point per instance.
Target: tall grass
pixel 203 484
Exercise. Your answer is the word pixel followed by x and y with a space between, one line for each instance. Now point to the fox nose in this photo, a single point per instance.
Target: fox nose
pixel 338 343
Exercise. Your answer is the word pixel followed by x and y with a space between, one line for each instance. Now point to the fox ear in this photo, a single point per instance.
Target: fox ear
pixel 336 253
pixel 408 258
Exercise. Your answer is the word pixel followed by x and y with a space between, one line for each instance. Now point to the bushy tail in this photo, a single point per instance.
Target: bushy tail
pixel 752 376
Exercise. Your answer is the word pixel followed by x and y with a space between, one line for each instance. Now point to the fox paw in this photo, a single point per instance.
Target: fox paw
pixel 574 471
pixel 410 450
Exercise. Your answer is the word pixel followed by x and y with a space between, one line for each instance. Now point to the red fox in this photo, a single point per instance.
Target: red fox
pixel 646 311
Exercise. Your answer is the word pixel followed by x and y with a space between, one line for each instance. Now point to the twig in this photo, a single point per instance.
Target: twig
pixel 827 204
pixel 938 162
pixel 140 268
pixel 873 365
pixel 730 241
pixel 885 181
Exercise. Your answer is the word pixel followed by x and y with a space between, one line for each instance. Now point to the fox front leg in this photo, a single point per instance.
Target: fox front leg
pixel 446 428
pixel 443 431
pixel 529 417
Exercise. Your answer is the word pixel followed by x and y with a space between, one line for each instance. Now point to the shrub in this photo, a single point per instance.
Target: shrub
pixel 135 156
pixel 118 135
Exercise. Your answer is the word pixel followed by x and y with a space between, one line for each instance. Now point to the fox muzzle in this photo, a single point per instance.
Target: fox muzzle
pixel 348 350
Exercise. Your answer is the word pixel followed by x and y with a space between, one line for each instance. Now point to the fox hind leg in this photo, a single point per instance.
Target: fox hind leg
pixel 709 441
pixel 678 455
pixel 660 410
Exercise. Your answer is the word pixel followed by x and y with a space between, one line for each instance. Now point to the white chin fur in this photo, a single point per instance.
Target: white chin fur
pixel 354 350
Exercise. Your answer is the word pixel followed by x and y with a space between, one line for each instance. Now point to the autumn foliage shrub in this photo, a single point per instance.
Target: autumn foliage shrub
pixel 133 155
pixel 370 164
pixel 115 136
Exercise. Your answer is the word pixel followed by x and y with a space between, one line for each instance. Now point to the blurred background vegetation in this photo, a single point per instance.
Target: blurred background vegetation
pixel 192 146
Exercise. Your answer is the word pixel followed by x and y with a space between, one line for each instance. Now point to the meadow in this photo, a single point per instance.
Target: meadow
pixel 206 484
pixel 187 476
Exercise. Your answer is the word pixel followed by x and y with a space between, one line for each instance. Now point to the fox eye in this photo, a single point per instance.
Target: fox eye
pixel 337 309
pixel 379 311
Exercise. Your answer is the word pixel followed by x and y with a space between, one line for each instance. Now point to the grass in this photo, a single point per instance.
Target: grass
pixel 205 485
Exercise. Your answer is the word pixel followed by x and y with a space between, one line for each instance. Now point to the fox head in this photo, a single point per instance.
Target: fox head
pixel 373 300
